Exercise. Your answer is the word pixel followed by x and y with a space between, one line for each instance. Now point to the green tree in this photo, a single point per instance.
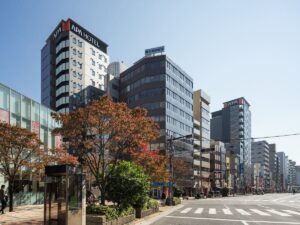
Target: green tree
pixel 128 185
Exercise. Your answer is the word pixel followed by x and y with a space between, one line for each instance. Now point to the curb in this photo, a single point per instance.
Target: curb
pixel 154 217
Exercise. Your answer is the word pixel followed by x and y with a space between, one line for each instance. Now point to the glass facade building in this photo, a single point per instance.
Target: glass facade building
pixel 19 110
pixel 166 91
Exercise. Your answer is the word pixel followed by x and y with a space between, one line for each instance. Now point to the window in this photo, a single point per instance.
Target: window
pixel 74 74
pixel 79 76
pixel 93 62
pixel 79 54
pixel 74 62
pixel 105 59
pixel 74 40
pixel 100 66
pixel 100 56
pixel 93 83
pixel 74 51
pixel 92 51
pixel 74 85
pixel 92 72
pixel 79 43
pixel 79 65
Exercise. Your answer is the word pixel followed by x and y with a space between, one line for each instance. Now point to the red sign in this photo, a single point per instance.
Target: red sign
pixel 4 116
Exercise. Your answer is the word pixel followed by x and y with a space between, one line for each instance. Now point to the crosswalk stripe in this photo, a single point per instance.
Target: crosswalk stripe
pixel 186 210
pixel 277 212
pixel 260 212
pixel 292 212
pixel 212 211
pixel 227 211
pixel 199 211
pixel 243 212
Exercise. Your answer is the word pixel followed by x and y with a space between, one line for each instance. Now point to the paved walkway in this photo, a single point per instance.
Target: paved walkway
pixel 23 215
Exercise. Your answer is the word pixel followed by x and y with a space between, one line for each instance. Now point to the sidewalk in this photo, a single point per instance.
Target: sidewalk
pixel 23 215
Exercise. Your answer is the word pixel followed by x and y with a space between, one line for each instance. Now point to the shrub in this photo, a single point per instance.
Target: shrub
pixel 128 185
pixel 151 204
pixel 176 200
pixel 110 212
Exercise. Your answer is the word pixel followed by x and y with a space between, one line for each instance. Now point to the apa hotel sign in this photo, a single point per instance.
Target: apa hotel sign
pixel 70 25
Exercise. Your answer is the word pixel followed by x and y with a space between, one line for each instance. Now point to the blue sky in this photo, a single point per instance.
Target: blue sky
pixel 230 48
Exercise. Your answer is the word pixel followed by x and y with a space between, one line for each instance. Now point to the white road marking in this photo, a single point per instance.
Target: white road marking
pixel 199 211
pixel 243 212
pixel 277 212
pixel 292 212
pixel 233 220
pixel 260 212
pixel 244 222
pixel 291 201
pixel 227 211
pixel 186 210
pixel 212 211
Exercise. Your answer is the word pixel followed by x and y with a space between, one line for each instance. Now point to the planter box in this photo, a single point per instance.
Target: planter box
pixel 139 213
pixel 101 220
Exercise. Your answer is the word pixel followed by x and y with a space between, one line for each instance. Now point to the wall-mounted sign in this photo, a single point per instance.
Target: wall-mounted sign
pixel 239 101
pixel 154 51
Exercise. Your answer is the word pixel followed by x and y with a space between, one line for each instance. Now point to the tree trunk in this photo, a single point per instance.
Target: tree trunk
pixel 103 195
pixel 10 195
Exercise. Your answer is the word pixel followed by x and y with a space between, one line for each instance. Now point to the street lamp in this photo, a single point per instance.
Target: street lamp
pixel 172 153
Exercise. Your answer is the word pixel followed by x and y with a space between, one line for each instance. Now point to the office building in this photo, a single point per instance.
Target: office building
pixel 19 110
pixel 232 125
pixel 260 155
pixel 116 68
pixel 158 84
pixel 283 173
pixel 292 175
pixel 272 165
pixel 72 60
pixel 217 164
pixel 201 114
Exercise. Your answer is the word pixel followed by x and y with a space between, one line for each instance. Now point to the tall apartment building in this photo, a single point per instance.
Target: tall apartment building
pixel 283 173
pixel 273 165
pixel 292 174
pixel 116 68
pixel 73 60
pixel 158 84
pixel 232 125
pixel 297 168
pixel 19 110
pixel 260 155
pixel 201 114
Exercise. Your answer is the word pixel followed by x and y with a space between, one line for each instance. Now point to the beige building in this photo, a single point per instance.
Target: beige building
pixel 201 114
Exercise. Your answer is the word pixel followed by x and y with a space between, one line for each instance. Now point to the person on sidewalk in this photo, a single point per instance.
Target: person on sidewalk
pixel 2 198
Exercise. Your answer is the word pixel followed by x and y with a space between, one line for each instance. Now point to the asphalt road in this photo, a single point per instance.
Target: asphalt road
pixel 242 210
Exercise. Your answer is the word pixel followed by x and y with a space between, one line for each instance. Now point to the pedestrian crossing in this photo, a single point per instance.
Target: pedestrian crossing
pixel 239 211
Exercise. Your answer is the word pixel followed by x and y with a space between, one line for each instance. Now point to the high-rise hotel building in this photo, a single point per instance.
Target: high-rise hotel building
pixel 73 67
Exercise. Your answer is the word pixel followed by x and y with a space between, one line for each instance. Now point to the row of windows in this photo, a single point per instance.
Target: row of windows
pixel 78 42
pixel 179 86
pixel 179 74
pixel 205 121
pixel 100 56
pixel 145 80
pixel 61 67
pixel 147 93
pixel 78 64
pixel 154 105
pixel 77 53
pixel 177 123
pixel 61 45
pixel 64 100
pixel 77 75
pixel 77 86
pixel 182 113
pixel 137 71
pixel 93 62
pixel 61 56
pixel 158 118
pixel 62 78
pixel 62 89
pixel 179 99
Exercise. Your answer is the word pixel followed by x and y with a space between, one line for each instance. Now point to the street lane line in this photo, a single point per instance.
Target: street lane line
pixel 260 212
pixel 243 212
pixel 244 222
pixel 292 212
pixel 233 220
pixel 199 211
pixel 212 211
pixel 227 211
pixel 186 210
pixel 277 212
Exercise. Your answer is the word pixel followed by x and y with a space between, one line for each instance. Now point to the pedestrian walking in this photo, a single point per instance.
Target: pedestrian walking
pixel 3 198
